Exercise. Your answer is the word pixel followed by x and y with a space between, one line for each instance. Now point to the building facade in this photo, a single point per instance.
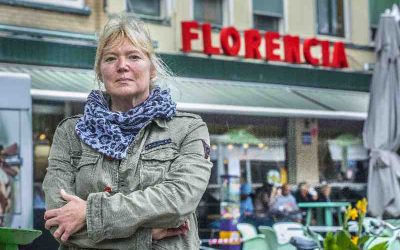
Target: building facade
pixel 281 84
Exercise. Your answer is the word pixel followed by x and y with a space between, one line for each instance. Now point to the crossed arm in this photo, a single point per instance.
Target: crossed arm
pixel 93 223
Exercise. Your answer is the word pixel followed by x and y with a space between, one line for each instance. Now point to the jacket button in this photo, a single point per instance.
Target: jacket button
pixel 107 189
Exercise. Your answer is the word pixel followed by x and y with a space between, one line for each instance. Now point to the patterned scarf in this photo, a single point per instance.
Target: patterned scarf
pixel 110 133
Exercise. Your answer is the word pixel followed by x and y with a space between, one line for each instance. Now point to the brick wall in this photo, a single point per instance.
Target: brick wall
pixel 54 20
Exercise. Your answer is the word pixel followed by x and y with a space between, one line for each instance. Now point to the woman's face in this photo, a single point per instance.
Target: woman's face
pixel 126 72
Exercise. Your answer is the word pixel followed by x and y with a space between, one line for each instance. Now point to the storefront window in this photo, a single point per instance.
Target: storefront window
pixel 46 116
pixel 331 17
pixel 209 11
pixel 342 156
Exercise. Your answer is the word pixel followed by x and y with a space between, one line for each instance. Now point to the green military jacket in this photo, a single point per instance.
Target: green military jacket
pixel 158 185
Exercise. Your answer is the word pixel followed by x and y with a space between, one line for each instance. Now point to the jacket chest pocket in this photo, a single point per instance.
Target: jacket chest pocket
pixel 154 164
pixel 85 177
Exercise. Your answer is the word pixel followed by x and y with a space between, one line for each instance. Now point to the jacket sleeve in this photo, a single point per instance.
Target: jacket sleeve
pixel 164 205
pixel 61 175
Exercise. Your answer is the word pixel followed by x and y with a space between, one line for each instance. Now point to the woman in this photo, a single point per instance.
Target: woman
pixel 130 172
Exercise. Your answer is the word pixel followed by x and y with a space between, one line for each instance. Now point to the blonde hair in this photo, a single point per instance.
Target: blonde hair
pixel 121 27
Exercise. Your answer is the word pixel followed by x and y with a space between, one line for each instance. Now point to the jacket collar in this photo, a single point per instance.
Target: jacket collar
pixel 162 123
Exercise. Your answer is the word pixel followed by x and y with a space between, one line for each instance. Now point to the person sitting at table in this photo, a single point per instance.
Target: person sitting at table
pixel 325 193
pixel 285 206
pixel 305 193
pixel 246 201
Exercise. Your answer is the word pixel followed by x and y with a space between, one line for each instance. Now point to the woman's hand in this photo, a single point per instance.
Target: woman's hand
pixel 161 233
pixel 69 218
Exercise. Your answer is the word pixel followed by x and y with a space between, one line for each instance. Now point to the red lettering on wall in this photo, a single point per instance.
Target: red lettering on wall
pixel 272 45
pixel 252 40
pixel 207 41
pixel 233 34
pixel 291 46
pixel 339 59
pixel 308 43
pixel 325 53
pixel 187 35
pixel 230 44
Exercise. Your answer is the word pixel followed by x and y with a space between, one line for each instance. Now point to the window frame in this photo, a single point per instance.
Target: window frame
pixel 346 22
pixel 77 4
pixel 165 12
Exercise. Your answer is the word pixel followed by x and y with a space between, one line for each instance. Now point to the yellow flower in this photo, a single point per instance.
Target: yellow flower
pixel 362 206
pixel 354 239
pixel 352 213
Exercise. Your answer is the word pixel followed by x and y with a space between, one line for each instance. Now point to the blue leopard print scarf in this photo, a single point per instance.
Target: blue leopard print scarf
pixel 110 133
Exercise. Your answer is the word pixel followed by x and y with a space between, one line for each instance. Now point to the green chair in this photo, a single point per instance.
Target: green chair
pixel 10 238
pixel 251 239
pixel 272 240
pixel 247 231
pixel 257 243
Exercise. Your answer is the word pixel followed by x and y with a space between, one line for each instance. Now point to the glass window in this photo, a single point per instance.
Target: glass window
pixel 208 11
pixel 376 8
pixel 267 14
pixel 66 3
pixel 262 22
pixel 330 17
pixel 145 7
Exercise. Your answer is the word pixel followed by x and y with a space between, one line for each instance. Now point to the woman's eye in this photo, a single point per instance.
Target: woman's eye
pixel 109 59
pixel 134 57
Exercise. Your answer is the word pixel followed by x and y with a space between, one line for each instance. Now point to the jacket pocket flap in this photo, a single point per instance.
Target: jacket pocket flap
pixel 87 159
pixel 160 154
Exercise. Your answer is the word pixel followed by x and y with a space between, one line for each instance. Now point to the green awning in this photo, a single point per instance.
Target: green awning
pixel 210 96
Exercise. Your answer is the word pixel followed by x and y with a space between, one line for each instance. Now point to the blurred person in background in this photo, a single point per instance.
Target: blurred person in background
pixel 325 193
pixel 305 194
pixel 285 206
pixel 246 201
pixel 130 172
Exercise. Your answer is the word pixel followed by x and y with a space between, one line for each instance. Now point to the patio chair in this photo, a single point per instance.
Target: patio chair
pixel 247 231
pixel 251 239
pixel 272 240
pixel 286 230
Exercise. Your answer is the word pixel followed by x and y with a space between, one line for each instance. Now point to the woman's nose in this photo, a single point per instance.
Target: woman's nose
pixel 122 65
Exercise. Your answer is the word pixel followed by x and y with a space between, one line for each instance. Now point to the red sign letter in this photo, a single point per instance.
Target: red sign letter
pixel 207 41
pixel 308 43
pixel 188 36
pixel 271 45
pixel 339 56
pixel 325 53
pixel 252 40
pixel 227 33
pixel 291 48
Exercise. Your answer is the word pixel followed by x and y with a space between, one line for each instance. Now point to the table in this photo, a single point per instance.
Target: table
pixel 10 238
pixel 327 207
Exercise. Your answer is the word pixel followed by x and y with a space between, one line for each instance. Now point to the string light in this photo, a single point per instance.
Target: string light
pixel 245 145
pixel 214 147
pixel 230 146
pixel 42 137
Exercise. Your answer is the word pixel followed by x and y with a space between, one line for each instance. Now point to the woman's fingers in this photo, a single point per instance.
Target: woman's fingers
pixel 65 196
pixel 51 213
pixel 65 235
pixel 51 223
pixel 57 234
